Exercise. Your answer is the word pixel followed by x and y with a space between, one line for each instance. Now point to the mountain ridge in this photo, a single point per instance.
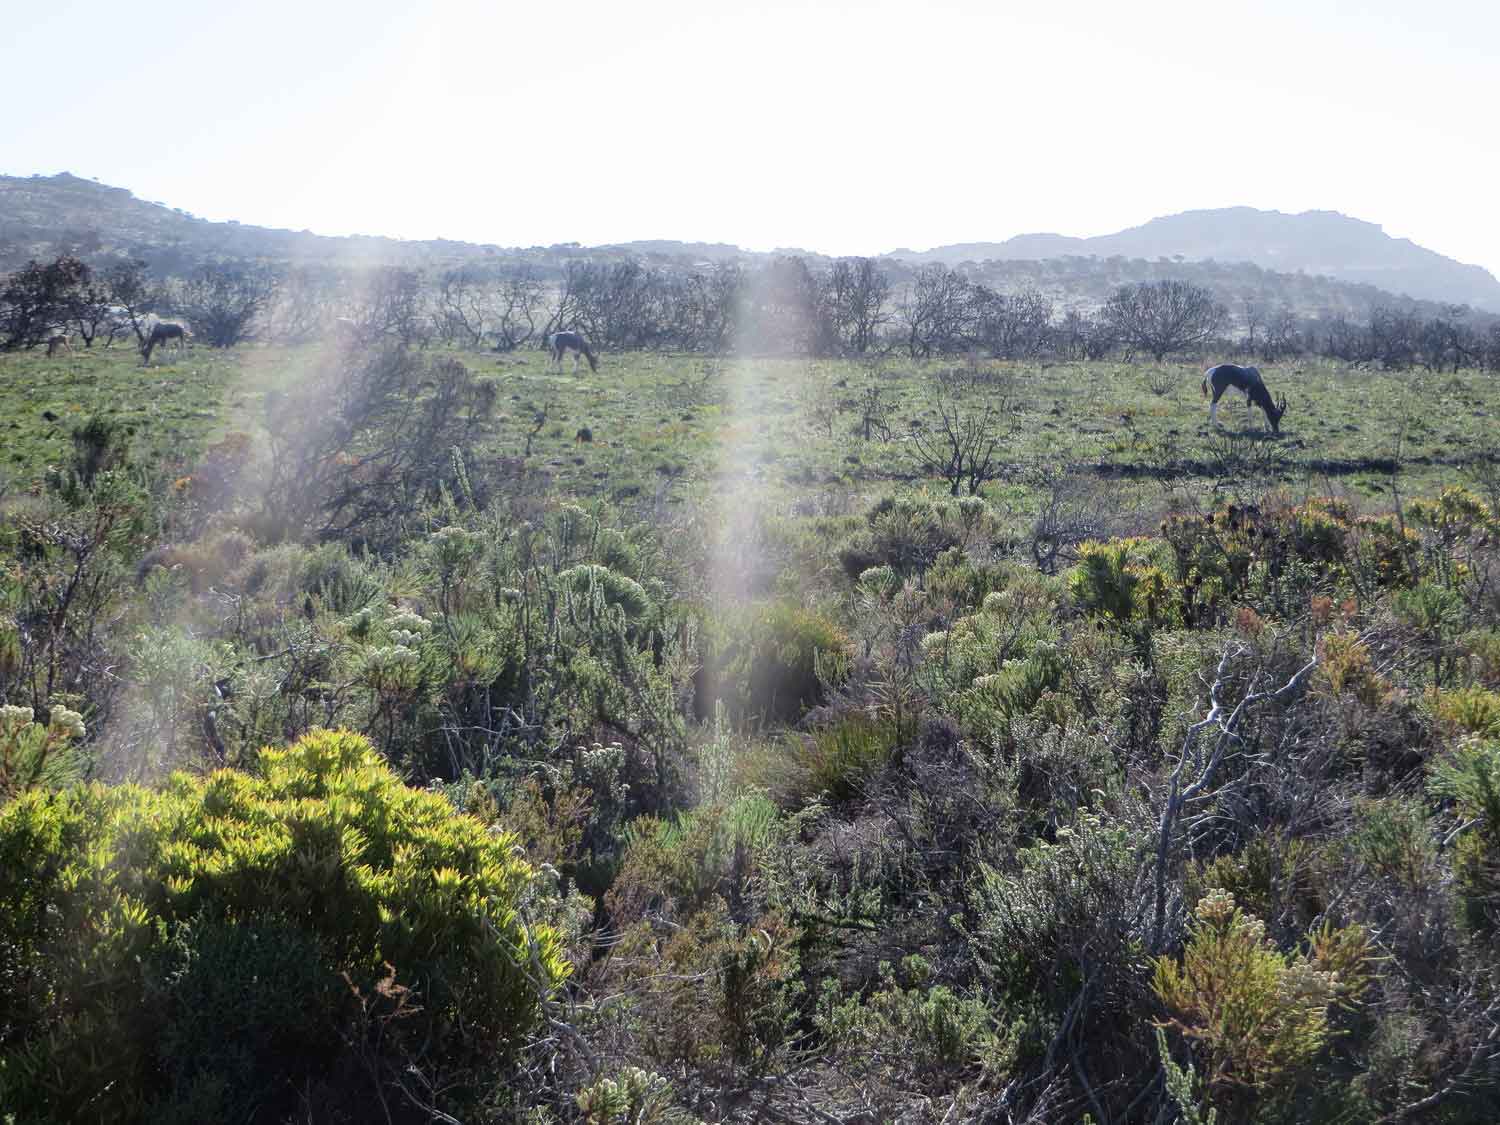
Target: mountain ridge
pixel 1322 242
pixel 42 216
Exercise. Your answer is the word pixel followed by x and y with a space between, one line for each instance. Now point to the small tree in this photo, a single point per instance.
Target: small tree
pixel 1081 336
pixel 128 288
pixel 858 296
pixel 465 306
pixel 223 300
pixel 960 445
pixel 38 298
pixel 938 312
pixel 366 439
pixel 519 303
pixel 1163 317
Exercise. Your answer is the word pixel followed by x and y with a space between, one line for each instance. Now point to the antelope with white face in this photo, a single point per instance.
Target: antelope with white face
pixel 1247 381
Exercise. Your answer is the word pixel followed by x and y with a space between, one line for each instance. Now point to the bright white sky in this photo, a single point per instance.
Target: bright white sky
pixel 839 127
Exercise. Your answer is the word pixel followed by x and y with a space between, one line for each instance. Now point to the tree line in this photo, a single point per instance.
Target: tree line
pixel 850 308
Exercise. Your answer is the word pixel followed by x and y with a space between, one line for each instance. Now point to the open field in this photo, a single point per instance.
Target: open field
pixel 796 424
pixel 686 425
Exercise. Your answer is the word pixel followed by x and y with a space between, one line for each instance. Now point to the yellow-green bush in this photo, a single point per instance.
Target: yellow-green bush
pixel 1470 710
pixel 1471 778
pixel 33 754
pixel 833 760
pixel 1259 1017
pixel 770 671
pixel 149 935
pixel 912 1032
pixel 1122 580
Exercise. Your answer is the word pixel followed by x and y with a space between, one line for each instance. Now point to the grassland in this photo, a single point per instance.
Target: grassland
pixel 675 427
pixel 169 408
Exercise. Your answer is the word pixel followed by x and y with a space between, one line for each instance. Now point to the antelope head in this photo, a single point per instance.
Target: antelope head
pixel 1275 413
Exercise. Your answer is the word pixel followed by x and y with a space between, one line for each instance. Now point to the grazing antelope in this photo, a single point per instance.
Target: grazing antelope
pixel 57 341
pixel 163 331
pixel 561 342
pixel 1247 381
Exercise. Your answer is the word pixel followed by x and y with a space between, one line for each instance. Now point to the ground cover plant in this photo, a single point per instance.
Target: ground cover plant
pixel 436 734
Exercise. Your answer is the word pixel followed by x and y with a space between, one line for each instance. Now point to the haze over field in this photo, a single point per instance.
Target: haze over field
pixel 841 128
pixel 863 684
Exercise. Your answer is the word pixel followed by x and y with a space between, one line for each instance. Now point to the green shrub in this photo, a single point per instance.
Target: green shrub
pixel 1470 710
pixel 135 923
pixel 1122 581
pixel 689 859
pixel 833 761
pixel 911 1033
pixel 963 581
pixel 906 535
pixel 632 1097
pixel 1471 777
pixel 1258 1016
pixel 615 589
pixel 1482 647
pixel 770 671
pixel 1393 840
pixel 33 754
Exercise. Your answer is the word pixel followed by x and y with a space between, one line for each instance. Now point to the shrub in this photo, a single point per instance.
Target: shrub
pixel 1259 1017
pixel 906 535
pixel 33 754
pixel 913 1034
pixel 146 931
pixel 776 669
pixel 834 760
pixel 1120 580
pixel 632 1097
pixel 1470 710
pixel 615 589
pixel 687 860
pixel 1063 909
pixel 1344 664
pixel 1471 778
pixel 1482 647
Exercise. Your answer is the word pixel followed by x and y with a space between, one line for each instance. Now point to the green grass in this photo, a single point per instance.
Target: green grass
pixel 683 426
pixel 694 422
pixel 169 407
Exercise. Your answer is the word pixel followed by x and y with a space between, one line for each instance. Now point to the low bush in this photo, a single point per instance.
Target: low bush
pixel 767 666
pixel 1259 1017
pixel 211 948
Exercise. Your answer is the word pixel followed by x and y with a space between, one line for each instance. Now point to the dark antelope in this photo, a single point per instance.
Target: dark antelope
pixel 561 342
pixel 1247 381
pixel 163 331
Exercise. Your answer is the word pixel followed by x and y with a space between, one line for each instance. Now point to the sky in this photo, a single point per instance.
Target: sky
pixel 842 128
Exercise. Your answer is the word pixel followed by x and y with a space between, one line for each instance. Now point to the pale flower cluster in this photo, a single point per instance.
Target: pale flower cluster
pixel 63 723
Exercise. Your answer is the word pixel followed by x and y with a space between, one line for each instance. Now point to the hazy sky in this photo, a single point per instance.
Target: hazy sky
pixel 843 128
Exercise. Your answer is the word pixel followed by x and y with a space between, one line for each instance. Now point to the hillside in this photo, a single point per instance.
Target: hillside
pixel 1250 260
pixel 42 216
pixel 1313 242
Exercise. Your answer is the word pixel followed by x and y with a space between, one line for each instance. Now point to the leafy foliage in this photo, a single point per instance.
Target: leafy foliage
pixel 136 920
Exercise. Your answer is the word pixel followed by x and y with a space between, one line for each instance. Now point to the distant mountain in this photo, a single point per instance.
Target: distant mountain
pixel 1318 264
pixel 1314 242
pixel 668 248
pixel 41 216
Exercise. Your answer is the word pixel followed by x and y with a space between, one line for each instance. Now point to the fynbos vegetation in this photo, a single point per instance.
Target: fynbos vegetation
pixel 910 711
